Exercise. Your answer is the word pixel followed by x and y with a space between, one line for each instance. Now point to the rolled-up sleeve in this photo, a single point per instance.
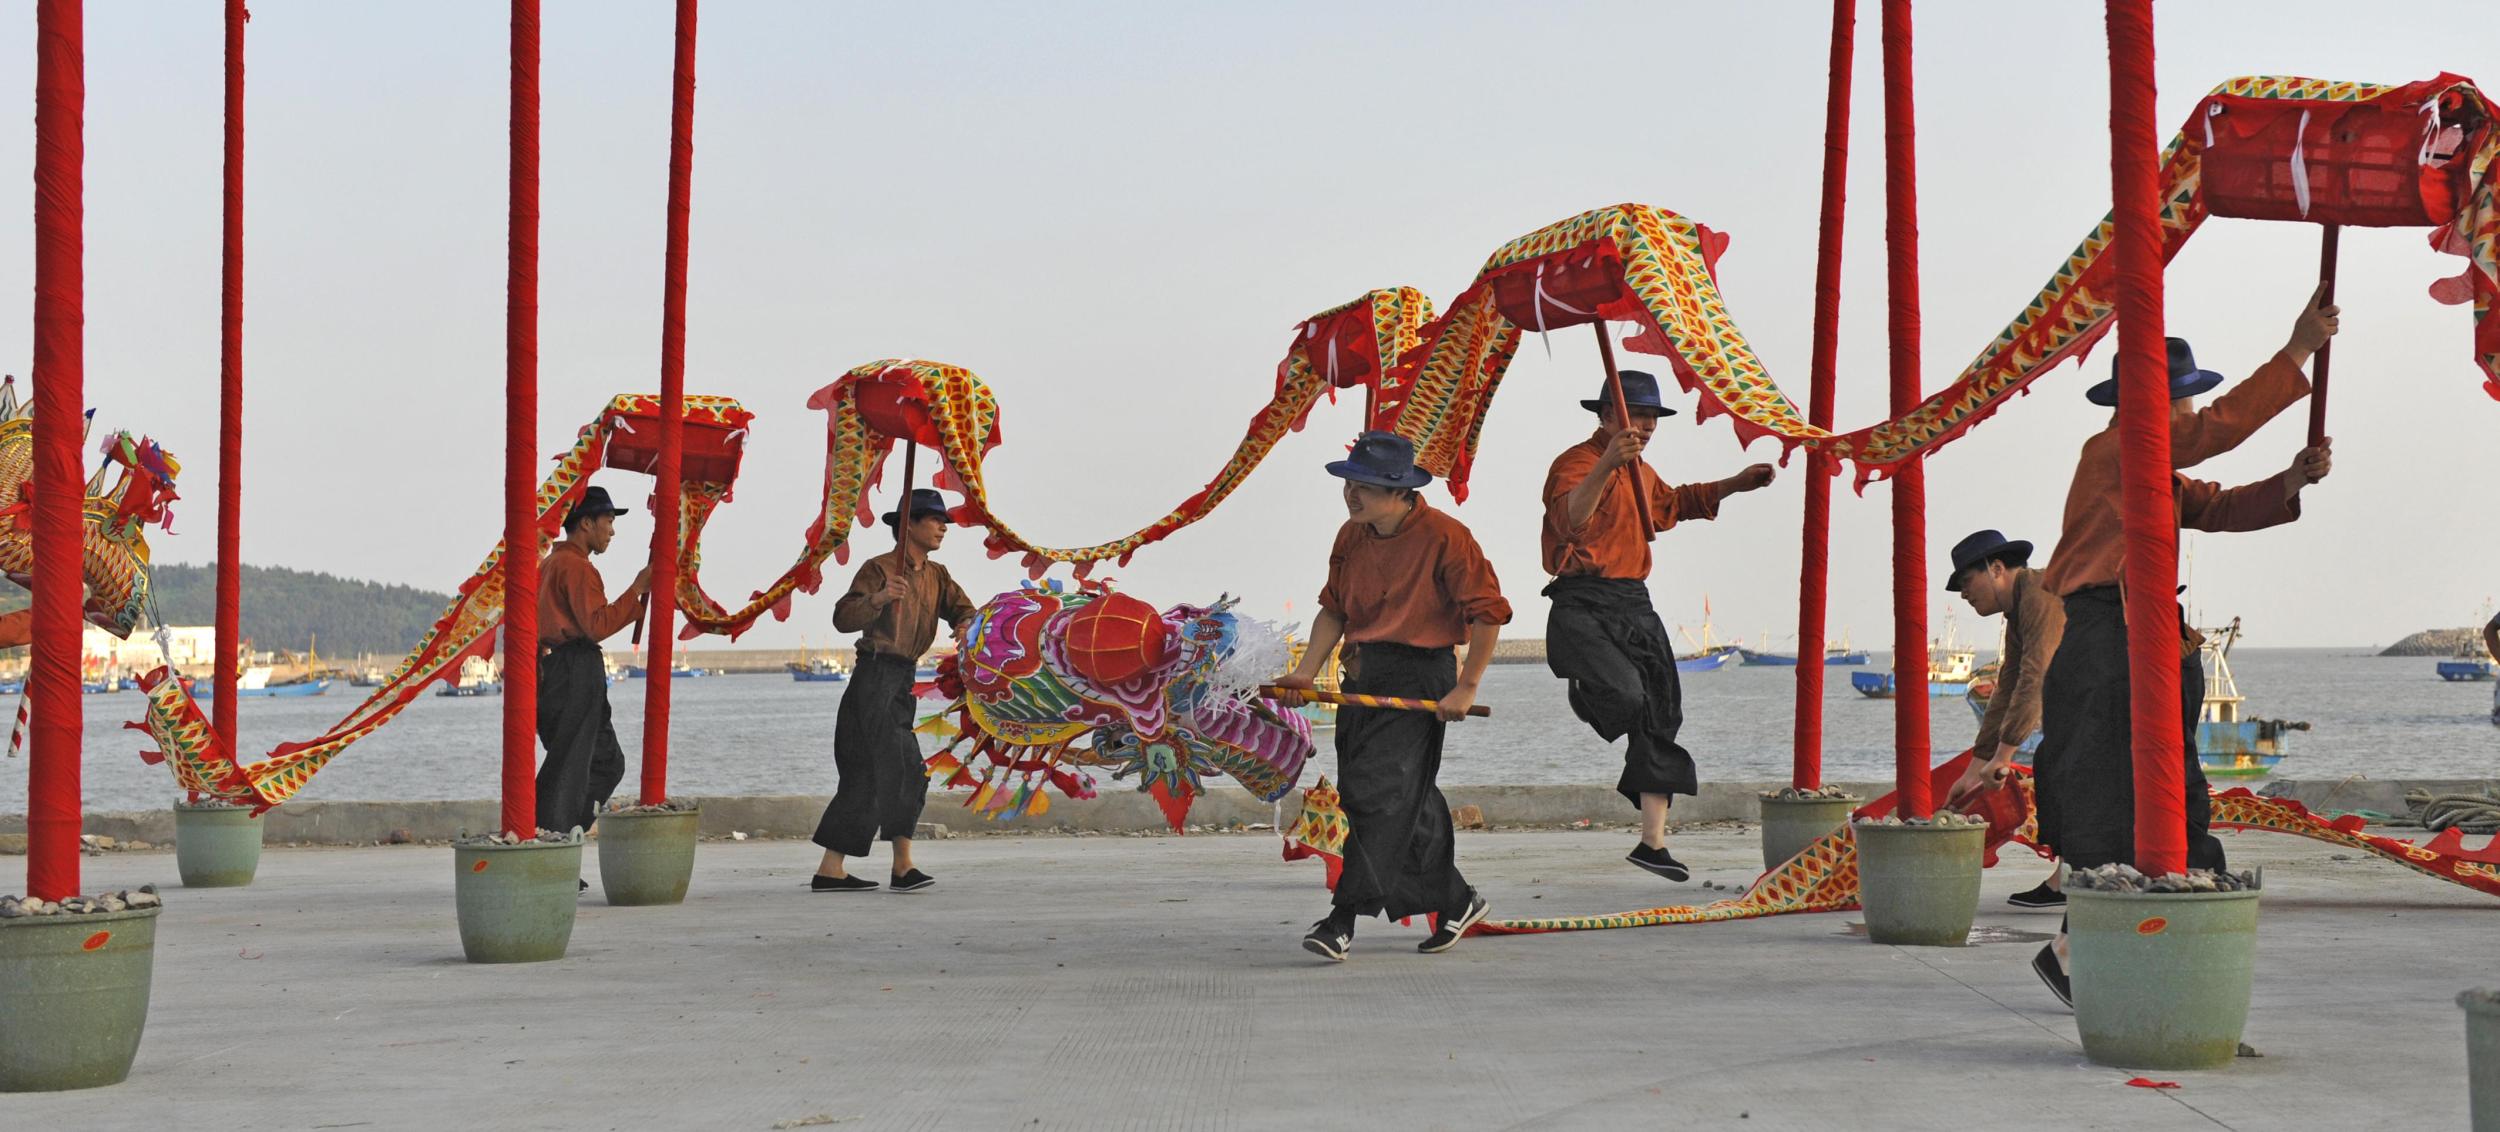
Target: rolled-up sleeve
pixel 1690 502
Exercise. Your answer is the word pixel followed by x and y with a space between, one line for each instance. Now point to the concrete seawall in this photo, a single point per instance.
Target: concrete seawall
pixel 1116 811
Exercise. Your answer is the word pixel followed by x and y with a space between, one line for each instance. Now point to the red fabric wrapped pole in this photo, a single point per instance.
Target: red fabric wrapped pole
pixel 230 397
pixel 1909 485
pixel 520 441
pixel 2145 500
pixel 1814 561
pixel 665 518
pixel 52 685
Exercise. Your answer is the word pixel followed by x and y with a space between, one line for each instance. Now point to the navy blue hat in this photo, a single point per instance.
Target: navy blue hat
pixel 1978 549
pixel 924 503
pixel 1640 391
pixel 1382 459
pixel 2185 379
pixel 594 503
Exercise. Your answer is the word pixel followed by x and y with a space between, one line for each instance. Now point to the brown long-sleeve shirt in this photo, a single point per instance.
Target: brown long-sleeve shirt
pixel 1614 543
pixel 907 626
pixel 2091 546
pixel 2034 622
pixel 1422 586
pixel 573 602
pixel 17 627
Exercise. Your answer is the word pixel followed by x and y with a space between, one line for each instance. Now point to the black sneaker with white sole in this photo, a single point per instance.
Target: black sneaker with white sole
pixel 2038 896
pixel 1329 940
pixel 912 881
pixel 1446 936
pixel 1659 861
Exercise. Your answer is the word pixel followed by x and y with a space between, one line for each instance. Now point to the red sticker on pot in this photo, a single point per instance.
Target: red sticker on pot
pixel 478 867
pixel 2152 926
pixel 97 940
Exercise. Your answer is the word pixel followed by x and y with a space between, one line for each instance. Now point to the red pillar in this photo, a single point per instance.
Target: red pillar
pixel 1909 485
pixel 1814 562
pixel 2145 500
pixel 230 398
pixel 520 440
pixel 52 691
pixel 665 516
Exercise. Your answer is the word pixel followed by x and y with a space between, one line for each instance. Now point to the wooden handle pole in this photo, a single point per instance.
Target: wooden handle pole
pixel 1623 416
pixel 2317 379
pixel 1391 703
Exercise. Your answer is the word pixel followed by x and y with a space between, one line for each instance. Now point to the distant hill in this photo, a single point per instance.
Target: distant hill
pixel 284 608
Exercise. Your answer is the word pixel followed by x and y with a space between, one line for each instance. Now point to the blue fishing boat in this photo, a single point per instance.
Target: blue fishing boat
pixel 1707 652
pixel 678 669
pixel 1833 656
pixel 12 687
pixel 817 670
pixel 2468 665
pixel 1950 669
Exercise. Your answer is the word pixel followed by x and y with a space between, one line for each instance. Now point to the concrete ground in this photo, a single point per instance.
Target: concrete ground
pixel 1156 982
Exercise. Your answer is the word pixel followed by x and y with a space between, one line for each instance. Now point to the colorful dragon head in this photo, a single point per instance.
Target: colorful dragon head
pixel 1167 697
pixel 118 512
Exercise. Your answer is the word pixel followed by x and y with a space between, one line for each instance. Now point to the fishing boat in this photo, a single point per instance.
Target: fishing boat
pixel 677 669
pixel 369 676
pixel 1833 655
pixel 2228 745
pixel 816 668
pixel 253 683
pixel 1707 652
pixel 2471 664
pixel 478 677
pixel 1950 669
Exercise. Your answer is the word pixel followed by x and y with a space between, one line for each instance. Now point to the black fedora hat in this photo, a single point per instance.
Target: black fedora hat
pixel 1640 391
pixel 1978 549
pixel 2185 379
pixel 924 503
pixel 594 503
pixel 1382 459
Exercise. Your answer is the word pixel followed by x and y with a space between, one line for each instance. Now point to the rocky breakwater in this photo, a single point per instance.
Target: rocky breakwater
pixel 2434 642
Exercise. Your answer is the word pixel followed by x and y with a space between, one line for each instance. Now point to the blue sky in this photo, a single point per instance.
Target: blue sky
pixel 1117 213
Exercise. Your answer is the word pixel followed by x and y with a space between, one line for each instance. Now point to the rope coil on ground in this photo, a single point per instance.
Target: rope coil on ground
pixel 2472 813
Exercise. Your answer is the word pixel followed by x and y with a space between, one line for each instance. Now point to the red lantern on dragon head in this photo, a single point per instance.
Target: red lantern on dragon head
pixel 1117 638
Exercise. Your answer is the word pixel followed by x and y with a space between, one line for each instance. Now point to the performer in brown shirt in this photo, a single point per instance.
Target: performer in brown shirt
pixel 17 627
pixel 1994 574
pixel 1406 583
pixel 584 762
pixel 2085 771
pixel 1604 635
pixel 893 604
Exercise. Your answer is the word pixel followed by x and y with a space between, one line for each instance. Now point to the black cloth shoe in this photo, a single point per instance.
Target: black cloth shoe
pixel 1452 926
pixel 1659 861
pixel 2038 896
pixel 823 883
pixel 585 886
pixel 1330 939
pixel 912 881
pixel 2045 965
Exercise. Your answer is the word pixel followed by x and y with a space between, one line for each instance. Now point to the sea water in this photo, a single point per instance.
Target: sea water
pixel 768 734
